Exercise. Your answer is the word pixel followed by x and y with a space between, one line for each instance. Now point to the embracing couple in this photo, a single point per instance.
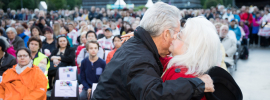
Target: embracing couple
pixel 142 70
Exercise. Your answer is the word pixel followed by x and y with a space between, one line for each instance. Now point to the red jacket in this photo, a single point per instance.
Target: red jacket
pixel 245 17
pixel 77 53
pixel 174 72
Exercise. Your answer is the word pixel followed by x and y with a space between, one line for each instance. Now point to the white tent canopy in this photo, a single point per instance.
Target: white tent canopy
pixel 149 3
pixel 120 2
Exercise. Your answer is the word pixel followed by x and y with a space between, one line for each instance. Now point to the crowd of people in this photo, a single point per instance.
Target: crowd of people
pixel 46 40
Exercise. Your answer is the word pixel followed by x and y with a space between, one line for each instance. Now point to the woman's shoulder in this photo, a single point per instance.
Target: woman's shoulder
pixel 176 72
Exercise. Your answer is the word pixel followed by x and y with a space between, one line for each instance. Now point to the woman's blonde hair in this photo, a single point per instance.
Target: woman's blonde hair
pixel 201 46
pixel 56 29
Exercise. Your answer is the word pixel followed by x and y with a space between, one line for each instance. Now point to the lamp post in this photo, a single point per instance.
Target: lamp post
pixel 22 3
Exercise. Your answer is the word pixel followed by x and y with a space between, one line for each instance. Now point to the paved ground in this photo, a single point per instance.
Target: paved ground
pixel 253 75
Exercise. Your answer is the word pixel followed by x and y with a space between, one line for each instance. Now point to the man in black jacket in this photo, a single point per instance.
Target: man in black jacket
pixel 93 14
pixel 135 69
pixel 6 60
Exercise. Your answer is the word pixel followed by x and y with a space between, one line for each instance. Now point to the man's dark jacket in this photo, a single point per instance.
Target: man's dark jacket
pixel 7 62
pixel 134 74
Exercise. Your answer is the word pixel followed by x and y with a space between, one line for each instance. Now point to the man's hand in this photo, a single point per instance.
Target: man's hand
pixel 89 93
pixel 127 36
pixel 209 86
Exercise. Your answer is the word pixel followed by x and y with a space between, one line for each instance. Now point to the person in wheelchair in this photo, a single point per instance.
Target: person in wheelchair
pixel 229 45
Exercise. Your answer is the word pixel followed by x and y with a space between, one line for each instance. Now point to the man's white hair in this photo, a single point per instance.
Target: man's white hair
pixel 159 17
pixel 12 29
pixel 201 46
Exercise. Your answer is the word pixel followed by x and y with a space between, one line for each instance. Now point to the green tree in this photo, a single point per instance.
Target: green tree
pixel 73 3
pixel 210 3
pixel 56 4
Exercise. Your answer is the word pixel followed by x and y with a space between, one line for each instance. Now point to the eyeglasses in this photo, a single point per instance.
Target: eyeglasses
pixel 22 56
pixel 178 34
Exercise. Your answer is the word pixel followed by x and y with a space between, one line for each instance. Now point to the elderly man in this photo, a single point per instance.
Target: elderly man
pixel 13 15
pixel 13 39
pixel 135 70
pixel 229 45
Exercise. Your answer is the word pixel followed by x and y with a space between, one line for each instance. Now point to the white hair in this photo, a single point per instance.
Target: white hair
pixel 159 17
pixel 36 10
pixel 201 46
pixel 12 29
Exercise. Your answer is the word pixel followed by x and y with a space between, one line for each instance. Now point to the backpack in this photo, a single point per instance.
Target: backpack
pixel 244 53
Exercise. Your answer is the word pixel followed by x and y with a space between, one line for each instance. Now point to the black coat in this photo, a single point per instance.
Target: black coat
pixel 7 62
pixel 16 17
pixel 68 59
pixel 134 74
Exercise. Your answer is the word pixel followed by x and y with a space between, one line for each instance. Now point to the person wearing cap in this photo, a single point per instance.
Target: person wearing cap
pixel 235 28
pixel 13 39
pixel 106 42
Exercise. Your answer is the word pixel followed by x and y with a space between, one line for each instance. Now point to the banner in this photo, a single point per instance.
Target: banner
pixel 265 31
pixel 112 6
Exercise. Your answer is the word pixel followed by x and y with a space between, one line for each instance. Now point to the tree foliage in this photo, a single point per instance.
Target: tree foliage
pixel 210 3
pixel 32 4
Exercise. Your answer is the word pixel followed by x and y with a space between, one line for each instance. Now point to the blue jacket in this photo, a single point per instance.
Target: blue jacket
pixel 237 17
pixel 90 72
pixel 25 38
pixel 237 31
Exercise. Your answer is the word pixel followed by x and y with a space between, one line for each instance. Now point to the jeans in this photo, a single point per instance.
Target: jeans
pixel 83 95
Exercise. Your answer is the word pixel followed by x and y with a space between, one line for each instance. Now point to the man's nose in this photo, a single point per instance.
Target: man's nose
pixel 175 36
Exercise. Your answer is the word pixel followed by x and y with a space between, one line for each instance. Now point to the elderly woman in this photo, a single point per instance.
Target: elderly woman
pixel 229 45
pixel 194 51
pixel 13 39
pixel 24 81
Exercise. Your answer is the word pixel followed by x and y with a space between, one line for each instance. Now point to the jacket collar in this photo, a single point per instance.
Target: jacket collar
pixel 145 37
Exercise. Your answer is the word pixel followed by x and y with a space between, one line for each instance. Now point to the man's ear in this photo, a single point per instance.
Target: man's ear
pixel 166 35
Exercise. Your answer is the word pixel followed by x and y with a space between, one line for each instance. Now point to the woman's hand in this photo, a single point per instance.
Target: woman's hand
pixel 126 37
pixel 56 62
pixel 55 57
